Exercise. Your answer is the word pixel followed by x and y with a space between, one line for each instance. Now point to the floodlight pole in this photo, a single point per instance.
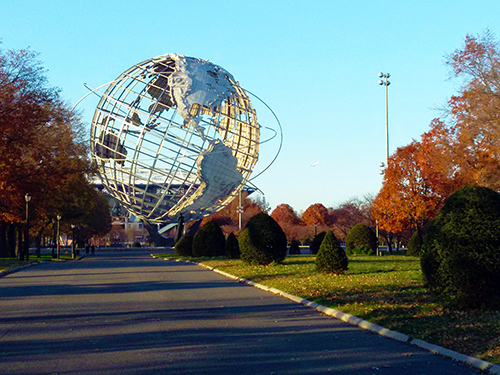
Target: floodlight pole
pixel 385 82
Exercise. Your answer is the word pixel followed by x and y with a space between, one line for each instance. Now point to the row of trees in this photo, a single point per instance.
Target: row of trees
pixel 42 153
pixel 461 148
pixel 318 218
pixel 299 226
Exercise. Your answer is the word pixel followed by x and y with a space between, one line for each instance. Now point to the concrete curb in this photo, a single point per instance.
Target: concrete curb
pixel 484 366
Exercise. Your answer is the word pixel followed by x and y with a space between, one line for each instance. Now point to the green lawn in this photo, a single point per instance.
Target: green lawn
pixel 7 263
pixel 384 290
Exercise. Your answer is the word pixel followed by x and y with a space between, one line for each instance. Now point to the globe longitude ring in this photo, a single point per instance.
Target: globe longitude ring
pixel 174 135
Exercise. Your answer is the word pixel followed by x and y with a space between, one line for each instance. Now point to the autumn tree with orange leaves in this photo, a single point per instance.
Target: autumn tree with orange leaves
pixel 475 112
pixel 316 214
pixel 406 198
pixel 463 149
pixel 285 214
pixel 42 152
pixel 288 220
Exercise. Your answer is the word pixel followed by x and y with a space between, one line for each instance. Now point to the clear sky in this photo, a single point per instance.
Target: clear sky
pixel 315 63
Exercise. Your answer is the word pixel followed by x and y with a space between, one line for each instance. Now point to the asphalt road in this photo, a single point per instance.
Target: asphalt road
pixel 126 313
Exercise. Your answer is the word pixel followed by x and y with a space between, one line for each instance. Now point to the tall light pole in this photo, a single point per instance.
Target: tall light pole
pixel 384 81
pixel 27 197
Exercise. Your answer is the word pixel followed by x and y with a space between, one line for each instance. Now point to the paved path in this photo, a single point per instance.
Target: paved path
pixel 126 313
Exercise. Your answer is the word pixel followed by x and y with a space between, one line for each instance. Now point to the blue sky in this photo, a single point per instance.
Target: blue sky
pixel 314 63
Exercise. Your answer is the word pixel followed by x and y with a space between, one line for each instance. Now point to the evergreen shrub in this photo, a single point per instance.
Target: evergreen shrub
pixel 316 242
pixel 331 258
pixel 415 244
pixel 209 240
pixel 184 246
pixel 232 249
pixel 262 241
pixel 460 257
pixel 361 239
pixel 294 247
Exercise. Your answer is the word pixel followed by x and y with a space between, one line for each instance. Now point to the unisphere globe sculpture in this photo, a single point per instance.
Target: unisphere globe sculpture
pixel 172 136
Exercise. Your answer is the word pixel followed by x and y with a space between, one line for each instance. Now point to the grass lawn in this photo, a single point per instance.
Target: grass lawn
pixel 384 290
pixel 6 263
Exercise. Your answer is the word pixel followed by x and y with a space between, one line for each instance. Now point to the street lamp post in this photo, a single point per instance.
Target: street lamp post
pixel 53 244
pixel 57 237
pixel 73 241
pixel 27 197
pixel 384 81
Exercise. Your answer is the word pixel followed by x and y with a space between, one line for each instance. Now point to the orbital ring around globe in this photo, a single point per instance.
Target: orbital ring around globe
pixel 176 136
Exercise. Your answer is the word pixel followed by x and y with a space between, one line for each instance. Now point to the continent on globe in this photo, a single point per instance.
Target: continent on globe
pixel 195 86
pixel 219 176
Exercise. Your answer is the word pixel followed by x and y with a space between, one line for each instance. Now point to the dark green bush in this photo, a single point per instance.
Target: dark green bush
pixel 316 242
pixel 460 256
pixel 294 247
pixel 262 241
pixel 209 241
pixel 361 239
pixel 232 247
pixel 415 244
pixel 184 246
pixel 331 257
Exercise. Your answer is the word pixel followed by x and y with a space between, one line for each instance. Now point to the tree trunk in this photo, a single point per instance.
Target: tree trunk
pixel 389 238
pixel 19 242
pixel 39 241
pixel 11 240
pixel 3 239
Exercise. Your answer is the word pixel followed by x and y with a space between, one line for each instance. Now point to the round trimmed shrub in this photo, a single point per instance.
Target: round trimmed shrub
pixel 262 241
pixel 232 247
pixel 361 239
pixel 460 257
pixel 294 247
pixel 415 244
pixel 184 246
pixel 209 240
pixel 316 242
pixel 331 258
